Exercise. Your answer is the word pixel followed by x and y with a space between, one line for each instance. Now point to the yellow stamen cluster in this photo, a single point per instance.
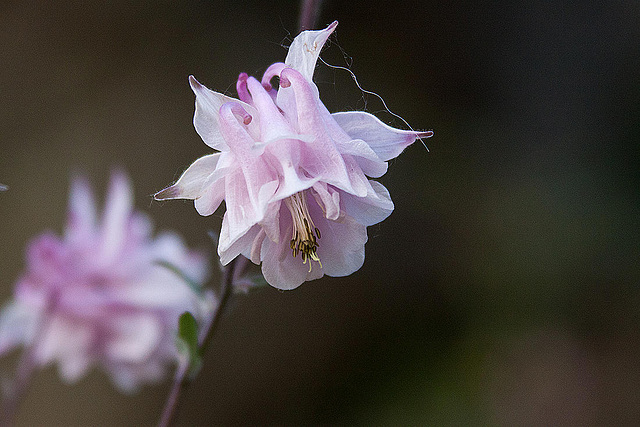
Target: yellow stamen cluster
pixel 303 239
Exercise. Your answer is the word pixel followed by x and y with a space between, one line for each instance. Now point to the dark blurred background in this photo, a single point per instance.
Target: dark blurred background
pixel 503 290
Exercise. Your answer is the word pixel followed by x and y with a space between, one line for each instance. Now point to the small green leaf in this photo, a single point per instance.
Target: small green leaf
pixel 258 279
pixel 195 286
pixel 187 341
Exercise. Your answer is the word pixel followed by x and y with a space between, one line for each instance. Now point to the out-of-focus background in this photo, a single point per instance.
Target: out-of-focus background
pixel 505 287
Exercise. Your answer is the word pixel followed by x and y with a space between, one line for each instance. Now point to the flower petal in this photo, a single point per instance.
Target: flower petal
pixel 206 117
pixel 249 188
pixel 17 326
pixel 190 184
pixel 364 156
pixel 279 267
pixel 81 220
pixel 328 198
pixel 74 360
pixel 303 52
pixel 117 212
pixel 211 198
pixel 273 125
pixel 135 337
pixel 228 249
pixel 319 158
pixel 341 248
pixel 387 142
pixel 369 210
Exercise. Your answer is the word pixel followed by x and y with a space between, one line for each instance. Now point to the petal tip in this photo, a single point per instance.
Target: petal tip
pixel 168 193
pixel 195 84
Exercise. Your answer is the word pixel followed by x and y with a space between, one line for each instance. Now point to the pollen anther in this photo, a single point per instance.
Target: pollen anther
pixel 305 233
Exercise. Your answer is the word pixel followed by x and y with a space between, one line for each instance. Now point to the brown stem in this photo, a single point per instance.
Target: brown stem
pixel 309 12
pixel 181 380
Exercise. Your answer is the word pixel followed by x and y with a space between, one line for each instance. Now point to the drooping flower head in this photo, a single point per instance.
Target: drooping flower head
pixel 100 296
pixel 294 178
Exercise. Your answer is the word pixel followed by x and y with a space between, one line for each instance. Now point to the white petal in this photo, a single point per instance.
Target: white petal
pixel 81 221
pixel 387 142
pixel 69 344
pixel 135 337
pixel 271 221
pixel 281 270
pixel 256 246
pixel 369 210
pixel 190 184
pixel 303 52
pixel 364 155
pixel 211 197
pixel 207 115
pixel 116 215
pixel 341 247
pixel 329 199
pixel 17 323
pixel 229 249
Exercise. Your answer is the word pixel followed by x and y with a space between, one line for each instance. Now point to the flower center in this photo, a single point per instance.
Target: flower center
pixel 303 238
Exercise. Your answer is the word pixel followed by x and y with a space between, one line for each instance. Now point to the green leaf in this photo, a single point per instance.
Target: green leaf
pixel 187 341
pixel 195 286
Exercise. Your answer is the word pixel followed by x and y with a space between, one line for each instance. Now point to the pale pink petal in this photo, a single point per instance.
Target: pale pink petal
pixel 387 142
pixel 279 267
pixel 269 74
pixel 285 155
pixel 246 204
pixel 241 214
pixel 17 326
pixel 135 337
pixel 128 377
pixel 271 221
pixel 68 343
pixel 369 210
pixel 206 117
pixel 248 190
pixel 341 247
pixel 366 158
pixel 190 184
pixel 81 219
pixel 320 158
pixel 273 125
pixel 303 52
pixel 329 200
pixel 118 207
pixel 357 178
pixel 228 249
pixel 256 246
pixel 211 197
pixel 241 88
pixel 47 255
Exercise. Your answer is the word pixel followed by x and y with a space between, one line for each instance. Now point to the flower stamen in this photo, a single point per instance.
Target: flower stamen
pixel 305 233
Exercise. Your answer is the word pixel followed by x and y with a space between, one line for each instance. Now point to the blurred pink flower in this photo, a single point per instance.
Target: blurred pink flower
pixel 292 175
pixel 97 295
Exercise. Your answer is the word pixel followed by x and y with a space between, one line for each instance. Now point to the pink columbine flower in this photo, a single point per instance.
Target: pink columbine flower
pixel 293 176
pixel 99 296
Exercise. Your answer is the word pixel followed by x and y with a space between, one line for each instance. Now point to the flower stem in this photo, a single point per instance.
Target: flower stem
pixel 309 12
pixel 18 387
pixel 181 379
